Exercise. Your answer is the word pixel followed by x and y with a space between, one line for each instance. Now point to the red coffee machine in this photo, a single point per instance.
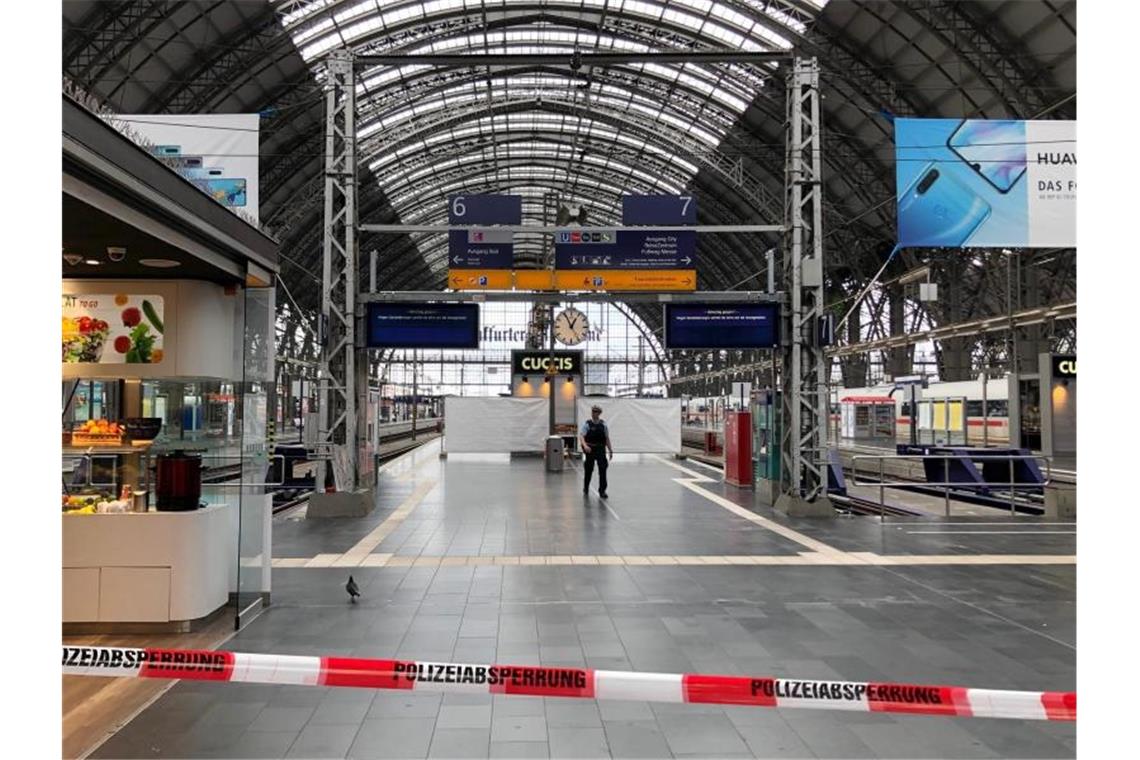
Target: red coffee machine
pixel 179 486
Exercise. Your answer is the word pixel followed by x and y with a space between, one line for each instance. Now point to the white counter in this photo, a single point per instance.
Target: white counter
pixel 150 566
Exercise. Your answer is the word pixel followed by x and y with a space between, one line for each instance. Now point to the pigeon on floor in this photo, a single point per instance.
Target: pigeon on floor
pixel 352 589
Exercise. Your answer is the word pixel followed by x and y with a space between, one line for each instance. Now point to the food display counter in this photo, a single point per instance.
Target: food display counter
pixel 148 567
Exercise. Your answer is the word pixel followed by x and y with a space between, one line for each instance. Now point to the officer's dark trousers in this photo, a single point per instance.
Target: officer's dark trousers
pixel 597 454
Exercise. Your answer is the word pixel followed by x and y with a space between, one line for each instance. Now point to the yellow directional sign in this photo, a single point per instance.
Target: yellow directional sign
pixel 534 279
pixel 628 279
pixel 479 279
pixel 573 279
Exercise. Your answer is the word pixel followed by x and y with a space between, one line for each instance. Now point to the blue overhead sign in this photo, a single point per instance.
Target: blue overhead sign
pixel 480 249
pixel 625 249
pixel 423 325
pixel 484 209
pixel 723 325
pixel 486 248
pixel 665 210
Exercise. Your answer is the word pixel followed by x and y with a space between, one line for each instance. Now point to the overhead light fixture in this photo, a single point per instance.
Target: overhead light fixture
pixel 546 379
pixel 116 253
pixel 92 262
pixel 526 379
pixel 72 258
pixel 160 263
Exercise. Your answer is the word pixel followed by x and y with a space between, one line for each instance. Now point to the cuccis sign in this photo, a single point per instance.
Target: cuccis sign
pixel 1064 366
pixel 539 362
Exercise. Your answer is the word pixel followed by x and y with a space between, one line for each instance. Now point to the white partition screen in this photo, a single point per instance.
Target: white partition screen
pixel 638 425
pixel 478 425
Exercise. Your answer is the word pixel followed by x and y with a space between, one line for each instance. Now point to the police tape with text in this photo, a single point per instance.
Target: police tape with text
pixel 544 681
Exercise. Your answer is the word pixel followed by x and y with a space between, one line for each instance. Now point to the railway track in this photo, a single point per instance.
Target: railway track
pixel 288 499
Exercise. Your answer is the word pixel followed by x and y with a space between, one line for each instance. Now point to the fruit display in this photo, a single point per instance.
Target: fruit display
pixel 97 431
pixel 83 339
pixel 94 504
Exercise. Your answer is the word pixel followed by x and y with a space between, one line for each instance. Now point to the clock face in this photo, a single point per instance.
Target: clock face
pixel 570 327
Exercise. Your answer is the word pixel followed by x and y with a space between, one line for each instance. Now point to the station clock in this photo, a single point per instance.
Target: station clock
pixel 570 327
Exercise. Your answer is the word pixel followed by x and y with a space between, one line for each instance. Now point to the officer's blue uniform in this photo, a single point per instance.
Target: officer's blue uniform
pixel 596 435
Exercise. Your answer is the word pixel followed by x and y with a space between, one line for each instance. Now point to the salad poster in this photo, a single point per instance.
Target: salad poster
pixel 112 329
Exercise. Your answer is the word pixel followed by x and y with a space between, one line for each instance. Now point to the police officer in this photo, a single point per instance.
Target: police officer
pixel 595 439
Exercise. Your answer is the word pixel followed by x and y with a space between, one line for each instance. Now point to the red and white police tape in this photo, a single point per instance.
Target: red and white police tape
pixel 542 681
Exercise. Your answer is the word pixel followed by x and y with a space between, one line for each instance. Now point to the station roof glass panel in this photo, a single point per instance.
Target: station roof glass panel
pixel 592 133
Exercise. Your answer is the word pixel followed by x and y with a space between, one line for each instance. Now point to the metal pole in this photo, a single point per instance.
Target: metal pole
pixel 985 408
pixel 771 256
pixel 1012 505
pixel 372 271
pixel 551 376
pixel 946 482
pixel 415 390
pixel 882 507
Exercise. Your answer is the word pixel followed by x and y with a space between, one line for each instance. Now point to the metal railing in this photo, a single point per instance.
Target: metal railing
pixel 947 485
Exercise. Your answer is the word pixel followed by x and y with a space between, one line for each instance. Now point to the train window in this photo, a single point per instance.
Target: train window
pixel 974 409
pixel 999 408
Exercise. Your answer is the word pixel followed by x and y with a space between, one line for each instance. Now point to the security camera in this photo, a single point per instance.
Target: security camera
pixel 116 254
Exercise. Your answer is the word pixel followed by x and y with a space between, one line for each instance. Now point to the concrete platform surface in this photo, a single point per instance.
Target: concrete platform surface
pixel 481 559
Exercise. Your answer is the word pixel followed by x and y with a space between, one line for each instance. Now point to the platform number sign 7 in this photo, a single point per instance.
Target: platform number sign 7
pixel 685 201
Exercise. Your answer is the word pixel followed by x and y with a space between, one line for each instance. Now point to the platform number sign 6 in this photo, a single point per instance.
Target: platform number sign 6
pixel 457 207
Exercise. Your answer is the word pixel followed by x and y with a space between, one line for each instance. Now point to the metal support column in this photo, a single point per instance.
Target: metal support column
pixel 803 483
pixel 338 413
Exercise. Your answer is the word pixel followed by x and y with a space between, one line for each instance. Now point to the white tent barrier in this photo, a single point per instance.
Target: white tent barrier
pixel 504 425
pixel 478 425
pixel 638 425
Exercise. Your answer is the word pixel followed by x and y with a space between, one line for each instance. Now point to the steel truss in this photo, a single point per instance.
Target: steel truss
pixel 804 382
pixel 804 377
pixel 338 412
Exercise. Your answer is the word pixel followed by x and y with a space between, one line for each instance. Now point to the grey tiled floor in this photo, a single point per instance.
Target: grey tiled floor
pixel 996 626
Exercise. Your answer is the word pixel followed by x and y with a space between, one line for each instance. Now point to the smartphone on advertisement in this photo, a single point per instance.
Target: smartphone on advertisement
pixel 939 210
pixel 225 190
pixel 994 149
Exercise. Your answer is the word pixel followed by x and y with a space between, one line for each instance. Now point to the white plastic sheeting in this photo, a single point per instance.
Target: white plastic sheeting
pixel 638 425
pixel 495 425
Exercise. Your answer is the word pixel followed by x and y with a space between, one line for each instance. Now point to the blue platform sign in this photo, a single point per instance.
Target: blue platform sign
pixel 484 209
pixel 482 248
pixel 625 249
pixel 423 325
pixel 722 325
pixel 666 210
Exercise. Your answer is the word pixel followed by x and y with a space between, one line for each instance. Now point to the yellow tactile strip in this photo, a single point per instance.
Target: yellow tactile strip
pixel 804 558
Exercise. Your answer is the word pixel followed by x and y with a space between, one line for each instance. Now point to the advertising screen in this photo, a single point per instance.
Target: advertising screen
pixel 727 325
pixel 986 183
pixel 112 328
pixel 423 325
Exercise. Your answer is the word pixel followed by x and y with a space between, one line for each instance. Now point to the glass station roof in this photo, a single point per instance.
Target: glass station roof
pixel 585 136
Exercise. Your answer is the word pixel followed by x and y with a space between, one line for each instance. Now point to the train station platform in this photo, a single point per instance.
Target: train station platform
pixel 481 559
